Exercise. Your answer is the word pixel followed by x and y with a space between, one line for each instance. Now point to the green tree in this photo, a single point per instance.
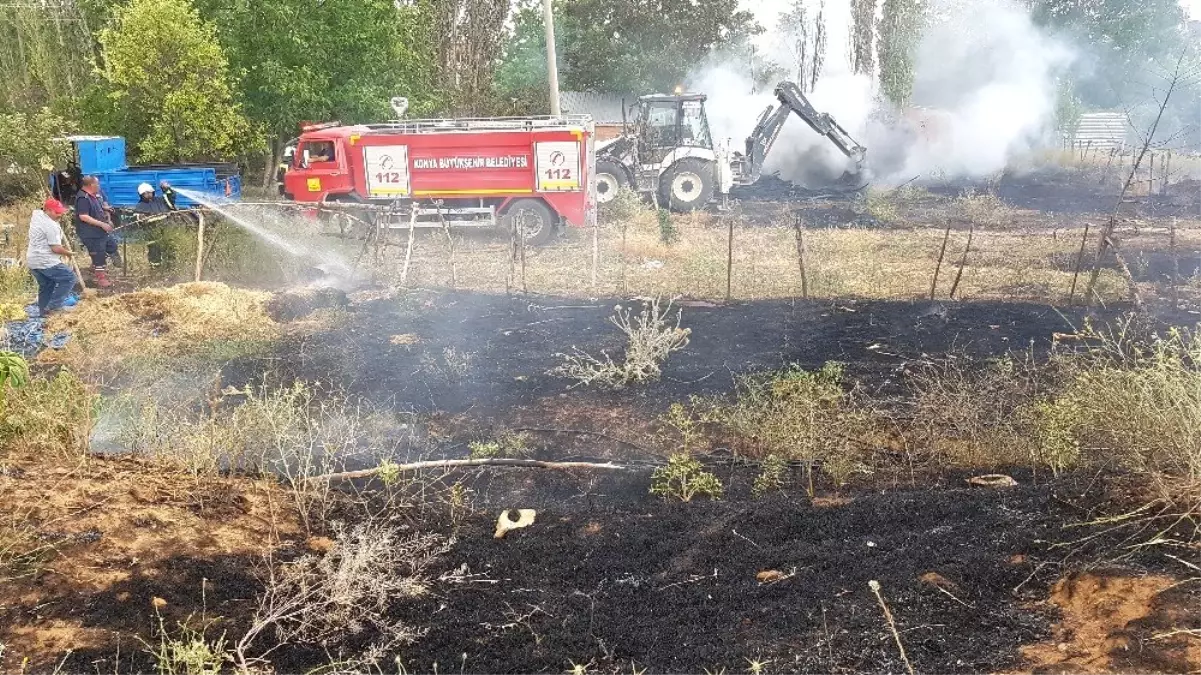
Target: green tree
pixel 622 45
pixel 863 34
pixel 468 38
pixel 901 26
pixel 44 55
pixel 167 86
pixel 298 60
pixel 521 79
pixel 29 151
pixel 1126 46
pixel 805 39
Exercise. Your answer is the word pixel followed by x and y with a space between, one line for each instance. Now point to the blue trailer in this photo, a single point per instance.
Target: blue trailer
pixel 104 158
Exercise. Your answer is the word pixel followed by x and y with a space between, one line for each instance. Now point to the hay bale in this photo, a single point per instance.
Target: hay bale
pixel 293 305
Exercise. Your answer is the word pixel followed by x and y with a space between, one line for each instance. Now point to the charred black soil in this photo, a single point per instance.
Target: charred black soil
pixel 622 584
pixel 488 355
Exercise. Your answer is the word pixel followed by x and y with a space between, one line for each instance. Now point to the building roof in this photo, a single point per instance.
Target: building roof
pixel 605 108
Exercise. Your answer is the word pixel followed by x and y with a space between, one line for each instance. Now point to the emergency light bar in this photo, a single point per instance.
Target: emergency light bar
pixel 307 127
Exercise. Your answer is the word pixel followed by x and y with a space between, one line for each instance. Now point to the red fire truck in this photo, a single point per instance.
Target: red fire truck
pixel 530 173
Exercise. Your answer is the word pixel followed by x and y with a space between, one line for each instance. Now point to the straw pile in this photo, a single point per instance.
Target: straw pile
pixel 170 320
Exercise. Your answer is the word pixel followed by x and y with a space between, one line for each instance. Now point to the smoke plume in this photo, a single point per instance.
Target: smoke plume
pixel 984 92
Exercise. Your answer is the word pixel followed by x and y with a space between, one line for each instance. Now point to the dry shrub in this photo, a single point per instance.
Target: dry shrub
pixel 153 321
pixel 49 416
pixel 342 600
pixel 890 205
pixel 881 205
pixel 1133 401
pixel 796 414
pixel 967 413
pixel 651 338
pixel 17 287
pixel 290 432
pixel 983 208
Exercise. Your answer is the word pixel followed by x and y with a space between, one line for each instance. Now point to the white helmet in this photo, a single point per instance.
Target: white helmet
pixel 144 188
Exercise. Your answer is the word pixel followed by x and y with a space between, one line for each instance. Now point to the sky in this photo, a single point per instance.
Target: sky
pixel 1192 8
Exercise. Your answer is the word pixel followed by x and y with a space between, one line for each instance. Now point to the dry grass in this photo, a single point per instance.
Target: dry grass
pixel 22 552
pixel 969 414
pixel 841 262
pixel 1134 400
pixel 49 416
pixel 152 322
pixel 294 433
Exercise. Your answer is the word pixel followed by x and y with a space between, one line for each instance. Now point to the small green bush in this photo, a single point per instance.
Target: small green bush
pixel 795 414
pixel 771 476
pixel 190 652
pixel 684 479
pixel 505 445
pixel 668 232
pixel 625 205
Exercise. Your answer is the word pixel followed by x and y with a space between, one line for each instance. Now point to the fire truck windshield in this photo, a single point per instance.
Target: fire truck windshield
pixel 317 152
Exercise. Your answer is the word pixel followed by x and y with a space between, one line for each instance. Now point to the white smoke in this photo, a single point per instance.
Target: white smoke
pixel 984 92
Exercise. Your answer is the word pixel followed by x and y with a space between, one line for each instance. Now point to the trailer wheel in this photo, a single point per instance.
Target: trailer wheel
pixel 532 218
pixel 610 178
pixel 687 185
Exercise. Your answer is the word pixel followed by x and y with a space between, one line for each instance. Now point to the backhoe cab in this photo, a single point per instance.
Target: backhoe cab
pixel 669 153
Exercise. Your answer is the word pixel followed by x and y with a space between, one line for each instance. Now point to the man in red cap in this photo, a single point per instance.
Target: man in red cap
pixel 43 257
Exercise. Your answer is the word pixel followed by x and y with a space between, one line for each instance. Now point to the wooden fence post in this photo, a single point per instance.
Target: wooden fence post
pixel 798 225
pixel 199 244
pixel 729 259
pixel 963 260
pixel 941 252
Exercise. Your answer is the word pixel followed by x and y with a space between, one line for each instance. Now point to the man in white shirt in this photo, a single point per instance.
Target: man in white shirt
pixel 42 257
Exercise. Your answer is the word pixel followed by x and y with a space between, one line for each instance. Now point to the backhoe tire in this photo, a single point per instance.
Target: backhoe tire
pixel 687 185
pixel 610 178
pixel 533 219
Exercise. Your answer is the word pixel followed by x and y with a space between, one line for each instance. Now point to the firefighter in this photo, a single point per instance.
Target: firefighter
pixel 149 204
pixel 94 226
pixel 44 256
pixel 168 195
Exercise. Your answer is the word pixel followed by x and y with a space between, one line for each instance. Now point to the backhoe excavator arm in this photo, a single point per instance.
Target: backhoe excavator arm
pixel 772 120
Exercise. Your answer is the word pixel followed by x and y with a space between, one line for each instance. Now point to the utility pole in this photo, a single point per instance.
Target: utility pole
pixel 552 66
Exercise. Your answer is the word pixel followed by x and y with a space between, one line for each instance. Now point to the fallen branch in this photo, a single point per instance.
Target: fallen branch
pixel 892 626
pixel 452 463
pixel 1135 297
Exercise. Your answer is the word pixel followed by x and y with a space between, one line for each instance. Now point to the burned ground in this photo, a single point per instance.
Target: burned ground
pixel 611 577
pixel 615 578
pixel 405 352
pixel 673 587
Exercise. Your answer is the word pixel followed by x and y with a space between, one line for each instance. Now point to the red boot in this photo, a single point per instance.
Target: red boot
pixel 100 279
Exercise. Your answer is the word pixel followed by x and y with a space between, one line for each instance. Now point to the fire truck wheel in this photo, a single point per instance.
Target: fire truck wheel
pixel 609 179
pixel 533 219
pixel 687 185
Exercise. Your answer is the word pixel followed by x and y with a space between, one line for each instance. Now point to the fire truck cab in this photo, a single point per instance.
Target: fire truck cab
pixel 532 174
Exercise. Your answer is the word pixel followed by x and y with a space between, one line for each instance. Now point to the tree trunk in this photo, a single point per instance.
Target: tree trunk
pixel 272 156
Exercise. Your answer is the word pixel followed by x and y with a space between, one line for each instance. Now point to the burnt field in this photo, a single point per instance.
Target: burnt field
pixel 485 358
pixel 832 441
